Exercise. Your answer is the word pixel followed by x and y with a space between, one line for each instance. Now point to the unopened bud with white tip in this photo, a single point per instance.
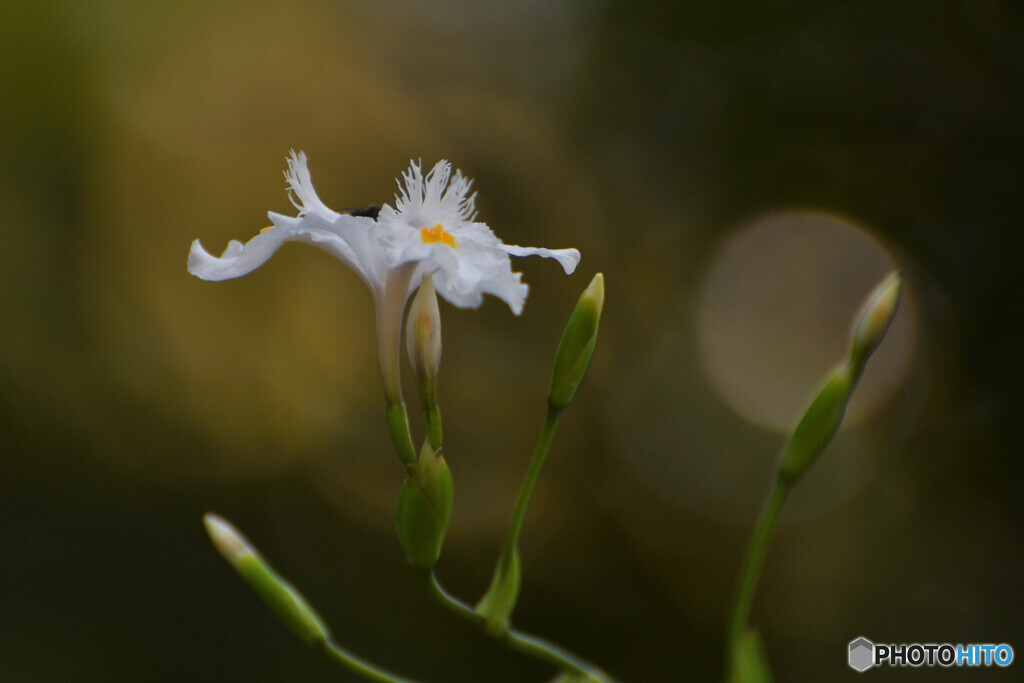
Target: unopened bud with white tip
pixel 278 594
pixel 875 317
pixel 423 338
pixel 823 417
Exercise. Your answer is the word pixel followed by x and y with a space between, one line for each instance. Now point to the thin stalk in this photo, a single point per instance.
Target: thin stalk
pixel 752 564
pixel 524 643
pixel 514 639
pixel 361 666
pixel 526 490
pixel 448 601
pixel 562 659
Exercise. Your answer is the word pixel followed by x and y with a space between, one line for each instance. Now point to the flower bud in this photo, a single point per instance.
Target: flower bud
pixel 424 509
pixel 423 338
pixel 822 419
pixel 875 317
pixel 423 332
pixel 577 345
pixel 278 594
pixel 818 425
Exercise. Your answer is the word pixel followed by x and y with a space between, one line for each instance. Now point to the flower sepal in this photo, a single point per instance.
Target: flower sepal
pixel 499 601
pixel 424 509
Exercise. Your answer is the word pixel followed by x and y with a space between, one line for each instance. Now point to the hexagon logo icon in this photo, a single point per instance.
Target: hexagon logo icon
pixel 862 654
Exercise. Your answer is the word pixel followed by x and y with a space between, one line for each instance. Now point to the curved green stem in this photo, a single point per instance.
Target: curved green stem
pixel 527 644
pixel 524 643
pixel 361 666
pixel 562 659
pixel 526 490
pixel 448 601
pixel 498 603
pixel 752 564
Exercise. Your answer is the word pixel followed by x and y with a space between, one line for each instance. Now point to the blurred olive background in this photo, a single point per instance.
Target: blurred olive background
pixel 742 173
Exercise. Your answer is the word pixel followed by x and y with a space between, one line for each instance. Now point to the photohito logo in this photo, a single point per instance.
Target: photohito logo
pixel 863 654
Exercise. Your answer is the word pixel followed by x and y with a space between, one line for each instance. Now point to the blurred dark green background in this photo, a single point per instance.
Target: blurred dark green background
pixel 741 172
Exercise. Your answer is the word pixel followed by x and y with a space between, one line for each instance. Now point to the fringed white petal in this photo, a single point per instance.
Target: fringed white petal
pixel 348 239
pixel 478 265
pixel 300 184
pixel 435 198
pixel 567 258
pixel 237 260
pixel 430 226
pixel 506 286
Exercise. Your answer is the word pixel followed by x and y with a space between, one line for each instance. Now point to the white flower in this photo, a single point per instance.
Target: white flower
pixel 430 230
pixel 431 227
pixel 353 240
pixel 348 238
pixel 432 223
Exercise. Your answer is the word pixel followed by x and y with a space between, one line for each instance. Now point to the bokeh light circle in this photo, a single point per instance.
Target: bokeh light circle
pixel 775 311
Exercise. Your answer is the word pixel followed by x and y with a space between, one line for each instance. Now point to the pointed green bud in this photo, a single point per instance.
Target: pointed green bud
pixel 423 338
pixel 818 425
pixel 822 419
pixel 500 599
pixel 424 509
pixel 278 594
pixel 874 318
pixel 577 345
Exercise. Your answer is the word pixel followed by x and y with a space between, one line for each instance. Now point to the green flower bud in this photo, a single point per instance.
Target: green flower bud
pixel 423 338
pixel 278 594
pixel 500 599
pixel 822 419
pixel 424 509
pixel 875 317
pixel 818 425
pixel 577 345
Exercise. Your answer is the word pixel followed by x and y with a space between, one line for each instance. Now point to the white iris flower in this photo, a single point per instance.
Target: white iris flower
pixel 429 231
pixel 432 223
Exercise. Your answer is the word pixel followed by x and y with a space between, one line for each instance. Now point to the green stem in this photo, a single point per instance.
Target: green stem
pixel 562 659
pixel 526 490
pixel 527 644
pixel 432 423
pixel 448 601
pixel 360 666
pixel 521 642
pixel 401 435
pixel 752 564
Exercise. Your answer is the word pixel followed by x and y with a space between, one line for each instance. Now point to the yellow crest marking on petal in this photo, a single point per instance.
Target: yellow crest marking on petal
pixel 263 230
pixel 437 234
